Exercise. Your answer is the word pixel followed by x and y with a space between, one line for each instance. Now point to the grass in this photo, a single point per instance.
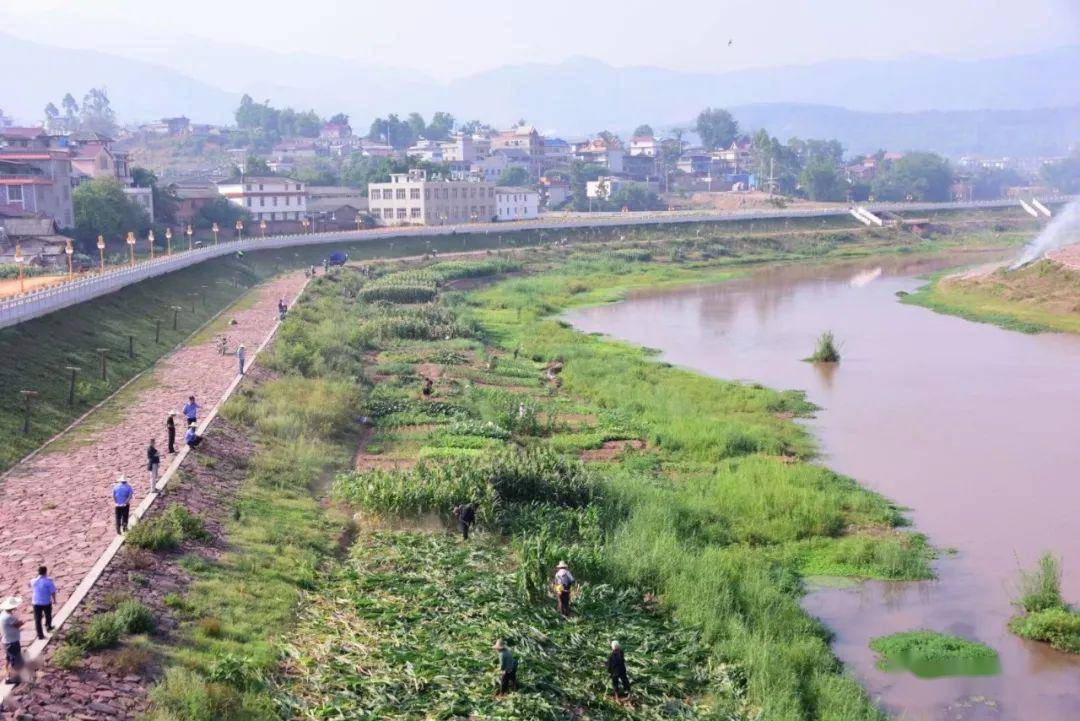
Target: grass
pixel 1046 616
pixel 690 549
pixel 1040 297
pixel 827 350
pixel 929 654
pixel 714 518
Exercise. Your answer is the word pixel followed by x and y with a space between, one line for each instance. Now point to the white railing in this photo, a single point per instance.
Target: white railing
pixel 33 304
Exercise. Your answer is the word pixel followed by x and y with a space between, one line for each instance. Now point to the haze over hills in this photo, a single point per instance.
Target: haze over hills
pixel 204 80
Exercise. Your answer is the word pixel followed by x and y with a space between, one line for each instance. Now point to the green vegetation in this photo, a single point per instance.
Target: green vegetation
pixel 167 531
pixel 1043 296
pixel 1046 615
pixel 689 529
pixel 929 654
pixel 826 350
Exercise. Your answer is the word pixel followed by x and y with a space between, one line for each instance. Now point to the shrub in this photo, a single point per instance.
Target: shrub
pixel 154 534
pixel 134 659
pixel 134 617
pixel 1060 627
pixel 929 654
pixel 827 350
pixel 1040 589
pixel 68 656
pixel 103 631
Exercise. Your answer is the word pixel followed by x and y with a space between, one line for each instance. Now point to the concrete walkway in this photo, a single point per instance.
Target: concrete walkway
pixel 56 507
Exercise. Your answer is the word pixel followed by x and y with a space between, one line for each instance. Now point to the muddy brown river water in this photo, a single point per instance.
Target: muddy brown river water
pixel 974 428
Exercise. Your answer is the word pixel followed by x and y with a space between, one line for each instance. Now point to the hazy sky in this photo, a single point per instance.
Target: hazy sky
pixel 446 39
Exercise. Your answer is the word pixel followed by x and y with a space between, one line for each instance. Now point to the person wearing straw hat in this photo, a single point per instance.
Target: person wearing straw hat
pixel 564 580
pixel 616 667
pixel 122 493
pixel 170 429
pixel 10 629
pixel 507 668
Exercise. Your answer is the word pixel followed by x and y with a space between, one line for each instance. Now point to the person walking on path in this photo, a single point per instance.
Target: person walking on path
pixel 43 596
pixel 170 430
pixel 122 493
pixel 466 516
pixel 564 581
pixel 282 308
pixel 10 626
pixel 153 463
pixel 241 355
pixel 192 438
pixel 191 410
pixel 507 668
pixel 616 667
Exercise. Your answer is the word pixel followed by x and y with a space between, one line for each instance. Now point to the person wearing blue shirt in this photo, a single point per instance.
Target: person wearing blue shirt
pixel 193 439
pixel 122 493
pixel 43 593
pixel 191 410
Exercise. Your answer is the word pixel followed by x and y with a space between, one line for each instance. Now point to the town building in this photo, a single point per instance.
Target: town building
pixel 556 152
pixel 489 168
pixel 281 202
pixel 192 199
pixel 428 150
pixel 36 174
pixel 334 207
pixel 606 153
pixel 554 192
pixel 335 131
pixel 459 149
pixel 37 238
pixel 644 145
pixel 374 149
pixel 516 203
pixel 639 167
pixel 524 140
pixel 413 198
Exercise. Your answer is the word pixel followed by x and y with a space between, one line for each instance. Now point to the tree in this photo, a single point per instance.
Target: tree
pixel 1064 174
pixel 97 113
pixel 820 181
pixel 776 161
pixel 716 128
pixel 71 113
pixel 102 208
pixel 607 136
pixel 52 118
pixel 990 183
pixel 416 124
pixel 166 201
pixel 515 175
pixel 580 175
pixel 644 130
pixel 339 119
pixel 916 176
pixel 440 126
pixel 219 211
pixel 474 127
pixel 317 171
pixel 634 196
pixel 392 131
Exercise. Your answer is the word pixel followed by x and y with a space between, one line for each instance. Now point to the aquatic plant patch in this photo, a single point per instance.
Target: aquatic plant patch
pixel 929 654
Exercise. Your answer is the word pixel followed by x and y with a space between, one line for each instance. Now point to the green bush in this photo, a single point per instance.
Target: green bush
pixel 1060 627
pixel 68 656
pixel 184 696
pixel 155 534
pixel 134 617
pixel 1040 588
pixel 103 631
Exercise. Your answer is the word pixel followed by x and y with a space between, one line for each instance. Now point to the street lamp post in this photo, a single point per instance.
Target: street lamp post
pixel 101 251
pixel 131 246
pixel 168 241
pixel 306 223
pixel 19 258
pixel 239 230
pixel 69 251
pixel 189 232
pixel 214 229
pixel 359 222
pixel 150 239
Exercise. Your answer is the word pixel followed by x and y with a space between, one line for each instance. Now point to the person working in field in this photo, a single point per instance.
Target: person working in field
pixel 193 439
pixel 507 669
pixel 616 668
pixel 564 580
pixel 466 517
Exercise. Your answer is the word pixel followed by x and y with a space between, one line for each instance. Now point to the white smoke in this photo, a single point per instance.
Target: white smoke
pixel 1063 230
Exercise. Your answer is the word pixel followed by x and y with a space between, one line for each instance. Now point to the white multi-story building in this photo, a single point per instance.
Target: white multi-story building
pixel 273 199
pixel 428 150
pixel 459 149
pixel 515 203
pixel 644 145
pixel 415 199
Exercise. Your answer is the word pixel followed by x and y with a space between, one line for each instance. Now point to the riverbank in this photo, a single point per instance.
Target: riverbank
pixel 721 565
pixel 1040 297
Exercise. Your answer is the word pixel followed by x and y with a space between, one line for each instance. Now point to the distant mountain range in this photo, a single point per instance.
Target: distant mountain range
pixel 1014 105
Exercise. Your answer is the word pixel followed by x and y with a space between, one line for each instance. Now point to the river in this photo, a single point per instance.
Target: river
pixel 974 428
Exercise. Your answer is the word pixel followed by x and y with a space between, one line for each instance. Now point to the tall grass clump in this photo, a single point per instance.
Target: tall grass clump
pixel 1047 617
pixel 827 350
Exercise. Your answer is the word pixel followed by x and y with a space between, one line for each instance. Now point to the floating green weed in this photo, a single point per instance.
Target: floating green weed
pixel 929 654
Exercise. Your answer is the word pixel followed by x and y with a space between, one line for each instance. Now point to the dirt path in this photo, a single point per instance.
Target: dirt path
pixel 1069 256
pixel 56 509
